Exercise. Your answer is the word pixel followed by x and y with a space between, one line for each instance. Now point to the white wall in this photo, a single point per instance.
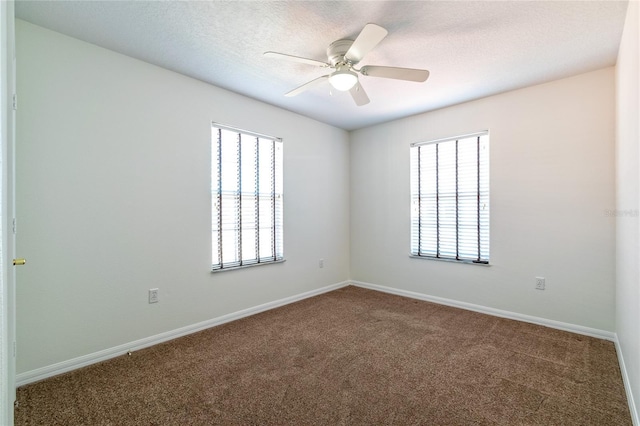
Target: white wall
pixel 114 199
pixel 552 181
pixel 628 200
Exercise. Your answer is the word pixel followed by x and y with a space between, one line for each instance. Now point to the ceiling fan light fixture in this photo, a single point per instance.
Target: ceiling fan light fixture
pixel 343 79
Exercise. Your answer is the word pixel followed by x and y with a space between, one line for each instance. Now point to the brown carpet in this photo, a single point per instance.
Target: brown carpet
pixel 349 357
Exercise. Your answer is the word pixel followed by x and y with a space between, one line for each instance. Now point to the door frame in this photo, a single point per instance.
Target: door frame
pixel 7 247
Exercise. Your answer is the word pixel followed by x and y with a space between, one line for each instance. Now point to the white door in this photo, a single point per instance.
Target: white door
pixel 7 212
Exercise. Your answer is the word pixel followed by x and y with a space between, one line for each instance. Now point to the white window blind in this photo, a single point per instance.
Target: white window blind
pixel 450 199
pixel 247 198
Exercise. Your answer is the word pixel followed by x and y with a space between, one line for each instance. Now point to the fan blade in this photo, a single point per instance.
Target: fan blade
pixel 359 95
pixel 368 38
pixel 408 74
pixel 307 86
pixel 295 59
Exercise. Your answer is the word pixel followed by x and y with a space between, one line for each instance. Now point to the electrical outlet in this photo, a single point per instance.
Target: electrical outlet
pixel 540 283
pixel 321 263
pixel 153 295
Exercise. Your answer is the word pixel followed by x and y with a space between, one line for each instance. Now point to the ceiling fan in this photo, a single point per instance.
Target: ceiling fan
pixel 343 56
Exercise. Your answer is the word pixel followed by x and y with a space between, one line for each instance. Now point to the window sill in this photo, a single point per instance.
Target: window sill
pixel 234 268
pixel 441 259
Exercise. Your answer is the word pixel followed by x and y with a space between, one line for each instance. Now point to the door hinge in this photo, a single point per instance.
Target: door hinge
pixel 13 226
pixel 15 102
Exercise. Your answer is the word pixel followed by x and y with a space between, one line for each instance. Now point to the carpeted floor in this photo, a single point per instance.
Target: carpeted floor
pixel 349 357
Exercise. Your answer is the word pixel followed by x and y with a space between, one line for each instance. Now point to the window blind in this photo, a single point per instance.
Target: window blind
pixel 450 198
pixel 247 198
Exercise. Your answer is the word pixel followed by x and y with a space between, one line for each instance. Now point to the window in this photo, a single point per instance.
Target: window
pixel 450 199
pixel 246 198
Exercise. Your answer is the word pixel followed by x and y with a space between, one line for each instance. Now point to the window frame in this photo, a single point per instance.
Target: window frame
pixel 482 184
pixel 275 196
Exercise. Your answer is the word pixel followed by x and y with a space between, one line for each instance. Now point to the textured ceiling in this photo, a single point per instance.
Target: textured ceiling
pixel 472 49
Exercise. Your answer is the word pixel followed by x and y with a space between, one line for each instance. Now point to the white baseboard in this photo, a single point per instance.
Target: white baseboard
pixel 85 360
pixel 593 332
pixel 627 384
pixel 103 355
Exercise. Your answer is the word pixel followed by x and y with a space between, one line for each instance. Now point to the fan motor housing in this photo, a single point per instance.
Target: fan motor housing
pixel 337 50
